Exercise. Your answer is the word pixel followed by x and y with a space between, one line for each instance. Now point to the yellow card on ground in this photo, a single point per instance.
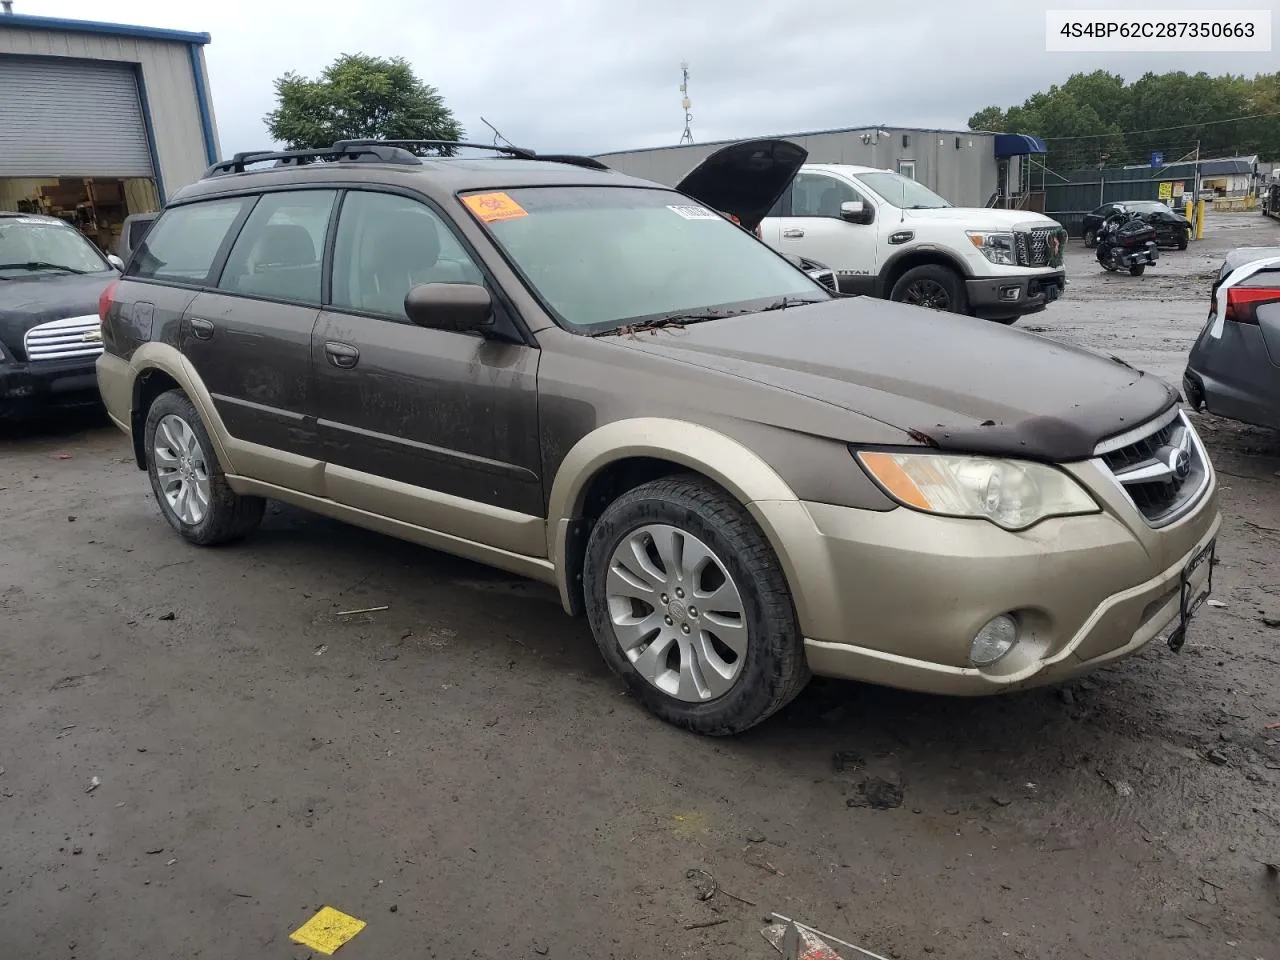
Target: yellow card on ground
pixel 327 930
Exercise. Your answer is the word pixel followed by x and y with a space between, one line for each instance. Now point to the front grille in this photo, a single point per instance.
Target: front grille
pixel 1040 246
pixel 67 339
pixel 1161 466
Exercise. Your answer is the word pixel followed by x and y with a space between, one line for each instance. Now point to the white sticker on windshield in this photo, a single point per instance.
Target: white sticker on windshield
pixel 693 212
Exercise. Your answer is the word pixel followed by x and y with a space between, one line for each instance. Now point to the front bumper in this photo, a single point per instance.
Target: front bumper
pixel 896 598
pixel 27 389
pixel 1014 296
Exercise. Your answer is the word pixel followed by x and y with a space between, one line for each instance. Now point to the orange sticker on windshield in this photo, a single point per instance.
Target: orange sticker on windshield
pixel 492 207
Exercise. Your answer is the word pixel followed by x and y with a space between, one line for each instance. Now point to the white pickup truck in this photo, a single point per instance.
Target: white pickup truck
pixel 889 236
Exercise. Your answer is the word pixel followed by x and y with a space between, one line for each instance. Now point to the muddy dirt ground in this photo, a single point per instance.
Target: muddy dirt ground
pixel 461 772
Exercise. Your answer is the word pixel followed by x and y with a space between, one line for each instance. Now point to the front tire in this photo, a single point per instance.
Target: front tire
pixel 187 480
pixel 1090 239
pixel 931 286
pixel 1137 270
pixel 690 607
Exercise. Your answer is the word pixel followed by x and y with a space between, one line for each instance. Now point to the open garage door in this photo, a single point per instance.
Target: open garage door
pixel 71 118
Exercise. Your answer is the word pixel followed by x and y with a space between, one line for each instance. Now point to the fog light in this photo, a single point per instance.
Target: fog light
pixel 993 641
pixel 1010 293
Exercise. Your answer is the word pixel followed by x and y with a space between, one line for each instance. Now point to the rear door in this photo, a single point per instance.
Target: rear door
pixel 433 427
pixel 814 228
pixel 250 338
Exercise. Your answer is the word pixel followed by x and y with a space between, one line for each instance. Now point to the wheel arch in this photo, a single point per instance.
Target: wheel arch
pixel 900 263
pixel 158 367
pixel 621 455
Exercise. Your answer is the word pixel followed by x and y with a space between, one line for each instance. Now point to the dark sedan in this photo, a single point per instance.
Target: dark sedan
pixel 1234 367
pixel 1172 229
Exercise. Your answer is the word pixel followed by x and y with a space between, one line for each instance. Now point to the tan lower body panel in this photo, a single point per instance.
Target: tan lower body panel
pixel 535 568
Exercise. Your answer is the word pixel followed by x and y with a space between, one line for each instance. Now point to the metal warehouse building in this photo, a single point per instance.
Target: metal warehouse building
pixel 967 168
pixel 100 120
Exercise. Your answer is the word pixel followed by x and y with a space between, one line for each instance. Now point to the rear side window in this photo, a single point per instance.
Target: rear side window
pixel 183 244
pixel 278 253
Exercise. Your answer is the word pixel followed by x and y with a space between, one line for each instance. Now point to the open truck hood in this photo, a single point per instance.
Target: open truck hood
pixel 745 179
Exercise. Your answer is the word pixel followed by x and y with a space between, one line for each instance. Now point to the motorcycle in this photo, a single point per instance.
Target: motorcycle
pixel 1125 240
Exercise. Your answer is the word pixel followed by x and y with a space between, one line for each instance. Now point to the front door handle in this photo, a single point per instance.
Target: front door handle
pixel 201 329
pixel 342 355
pixel 793 233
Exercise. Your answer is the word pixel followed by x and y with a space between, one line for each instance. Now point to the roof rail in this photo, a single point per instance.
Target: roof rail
pixel 522 153
pixel 348 150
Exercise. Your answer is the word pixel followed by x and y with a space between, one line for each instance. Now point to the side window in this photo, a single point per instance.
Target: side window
pixel 277 255
pixel 183 244
pixel 818 195
pixel 388 244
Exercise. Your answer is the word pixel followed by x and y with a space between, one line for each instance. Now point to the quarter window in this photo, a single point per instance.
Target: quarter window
pixel 818 195
pixel 388 244
pixel 278 253
pixel 183 244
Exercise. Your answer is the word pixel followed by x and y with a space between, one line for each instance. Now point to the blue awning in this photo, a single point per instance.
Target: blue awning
pixel 1018 145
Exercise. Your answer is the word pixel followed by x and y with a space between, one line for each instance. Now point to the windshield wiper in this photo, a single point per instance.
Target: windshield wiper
pixel 40 265
pixel 672 320
pixel 789 302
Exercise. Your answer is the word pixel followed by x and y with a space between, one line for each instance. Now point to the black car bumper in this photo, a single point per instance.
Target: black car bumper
pixel 1002 297
pixel 29 388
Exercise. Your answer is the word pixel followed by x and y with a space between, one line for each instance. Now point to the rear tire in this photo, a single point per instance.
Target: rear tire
pixel 1137 270
pixel 931 286
pixel 186 478
pixel 717 670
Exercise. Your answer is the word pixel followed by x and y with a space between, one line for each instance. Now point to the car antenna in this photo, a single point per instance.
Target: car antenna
pixel 496 133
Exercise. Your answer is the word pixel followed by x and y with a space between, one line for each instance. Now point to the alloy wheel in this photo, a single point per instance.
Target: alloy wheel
pixel 182 469
pixel 927 293
pixel 676 612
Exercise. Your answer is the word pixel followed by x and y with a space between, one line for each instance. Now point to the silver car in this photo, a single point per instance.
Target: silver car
pixel 1234 368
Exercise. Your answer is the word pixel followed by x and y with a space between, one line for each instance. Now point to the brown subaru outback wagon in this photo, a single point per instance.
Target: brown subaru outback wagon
pixel 600 383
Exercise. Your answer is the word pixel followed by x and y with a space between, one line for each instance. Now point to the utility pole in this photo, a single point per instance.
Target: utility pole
pixel 685 102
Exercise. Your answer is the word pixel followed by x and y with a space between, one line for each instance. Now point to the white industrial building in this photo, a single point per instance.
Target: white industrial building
pixel 966 167
pixel 100 120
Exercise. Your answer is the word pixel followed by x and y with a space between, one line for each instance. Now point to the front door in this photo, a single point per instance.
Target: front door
pixel 814 228
pixel 250 339
pixel 433 427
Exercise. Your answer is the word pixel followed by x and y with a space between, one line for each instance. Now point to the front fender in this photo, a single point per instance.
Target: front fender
pixel 782 516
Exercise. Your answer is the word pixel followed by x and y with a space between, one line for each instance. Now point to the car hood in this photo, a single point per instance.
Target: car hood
pixel 26 302
pixel 948 381
pixel 745 179
pixel 984 218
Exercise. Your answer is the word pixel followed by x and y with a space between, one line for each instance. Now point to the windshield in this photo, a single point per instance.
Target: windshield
pixel 903 192
pixel 29 245
pixel 602 257
pixel 1146 206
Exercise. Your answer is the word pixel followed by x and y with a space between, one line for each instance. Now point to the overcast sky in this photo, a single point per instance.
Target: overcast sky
pixel 596 75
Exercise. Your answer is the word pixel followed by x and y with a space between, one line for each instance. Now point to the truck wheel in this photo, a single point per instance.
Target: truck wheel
pixel 931 286
pixel 689 606
pixel 1090 239
pixel 187 479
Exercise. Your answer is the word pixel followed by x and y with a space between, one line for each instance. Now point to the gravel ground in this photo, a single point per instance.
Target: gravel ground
pixel 461 772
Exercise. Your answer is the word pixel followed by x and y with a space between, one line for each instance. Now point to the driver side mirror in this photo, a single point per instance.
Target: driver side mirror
pixel 856 211
pixel 115 262
pixel 456 307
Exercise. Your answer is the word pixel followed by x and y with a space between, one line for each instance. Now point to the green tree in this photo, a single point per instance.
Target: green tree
pixel 359 97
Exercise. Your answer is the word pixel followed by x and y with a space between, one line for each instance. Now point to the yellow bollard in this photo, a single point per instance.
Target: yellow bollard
pixel 1200 219
pixel 1186 210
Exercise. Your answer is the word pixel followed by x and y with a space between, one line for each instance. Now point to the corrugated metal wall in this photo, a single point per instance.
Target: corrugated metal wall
pixel 965 175
pixel 168 85
pixel 1068 197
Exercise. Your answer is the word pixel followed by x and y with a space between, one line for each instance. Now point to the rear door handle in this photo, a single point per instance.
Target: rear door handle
pixel 793 233
pixel 342 355
pixel 201 329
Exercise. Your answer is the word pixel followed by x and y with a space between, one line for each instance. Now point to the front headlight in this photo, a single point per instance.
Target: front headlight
pixel 1013 494
pixel 996 247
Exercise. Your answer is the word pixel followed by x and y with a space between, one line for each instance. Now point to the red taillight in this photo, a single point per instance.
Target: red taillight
pixel 1243 302
pixel 104 304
